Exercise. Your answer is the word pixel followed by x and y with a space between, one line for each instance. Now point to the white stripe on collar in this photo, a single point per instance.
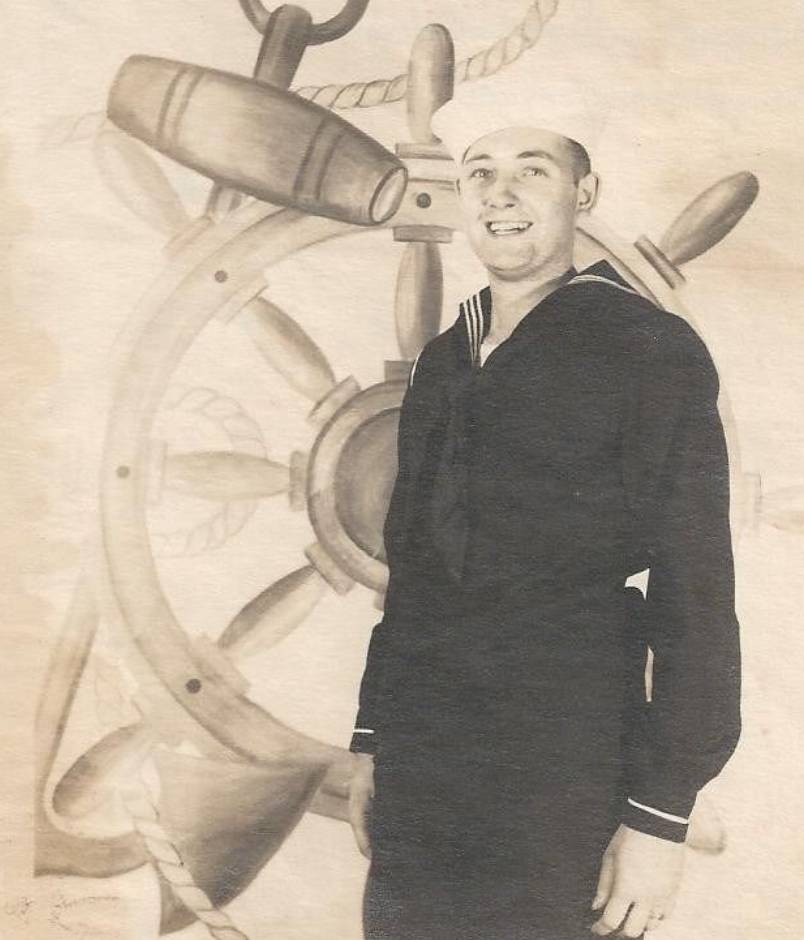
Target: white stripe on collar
pixel 472 312
pixel 478 323
pixel 468 322
pixel 598 278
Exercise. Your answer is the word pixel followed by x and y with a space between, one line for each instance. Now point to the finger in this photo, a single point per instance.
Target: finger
pixel 357 817
pixel 361 837
pixel 637 920
pixel 604 882
pixel 612 916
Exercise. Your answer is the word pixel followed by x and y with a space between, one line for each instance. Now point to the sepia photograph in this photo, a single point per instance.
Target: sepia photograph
pixel 403 470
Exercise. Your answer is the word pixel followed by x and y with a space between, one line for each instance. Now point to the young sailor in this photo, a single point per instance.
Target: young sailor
pixel 561 435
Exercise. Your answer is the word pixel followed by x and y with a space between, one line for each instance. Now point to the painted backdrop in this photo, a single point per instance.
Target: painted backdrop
pixel 697 92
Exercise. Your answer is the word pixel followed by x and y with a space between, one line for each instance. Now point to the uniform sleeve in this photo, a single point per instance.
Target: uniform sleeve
pixel 677 478
pixel 368 723
pixel 367 731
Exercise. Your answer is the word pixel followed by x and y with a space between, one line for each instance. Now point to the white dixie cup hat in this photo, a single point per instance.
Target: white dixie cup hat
pixel 478 108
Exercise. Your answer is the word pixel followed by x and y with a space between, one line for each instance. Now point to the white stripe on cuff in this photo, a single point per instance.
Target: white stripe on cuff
pixel 363 731
pixel 658 812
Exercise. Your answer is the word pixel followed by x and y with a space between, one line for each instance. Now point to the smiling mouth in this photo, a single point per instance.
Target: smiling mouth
pixel 507 228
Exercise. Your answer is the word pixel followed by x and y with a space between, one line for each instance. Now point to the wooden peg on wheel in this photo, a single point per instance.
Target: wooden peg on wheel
pixel 138 181
pixel 420 282
pixel 288 348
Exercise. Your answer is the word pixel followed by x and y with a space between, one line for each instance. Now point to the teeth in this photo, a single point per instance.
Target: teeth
pixel 504 228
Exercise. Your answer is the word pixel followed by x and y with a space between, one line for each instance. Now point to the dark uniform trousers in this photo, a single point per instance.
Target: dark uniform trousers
pixel 482 848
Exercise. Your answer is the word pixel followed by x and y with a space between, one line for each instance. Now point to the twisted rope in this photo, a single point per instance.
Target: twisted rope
pixel 168 861
pixel 506 50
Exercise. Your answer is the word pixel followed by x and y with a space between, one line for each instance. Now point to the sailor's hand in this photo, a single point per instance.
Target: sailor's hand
pixel 639 880
pixel 361 793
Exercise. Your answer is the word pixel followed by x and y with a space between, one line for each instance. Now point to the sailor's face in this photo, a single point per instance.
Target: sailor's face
pixel 520 195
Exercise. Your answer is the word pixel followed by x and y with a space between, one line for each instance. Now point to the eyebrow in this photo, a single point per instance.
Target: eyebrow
pixel 525 155
pixel 531 154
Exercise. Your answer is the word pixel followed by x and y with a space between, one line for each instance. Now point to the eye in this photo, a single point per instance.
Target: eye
pixel 480 173
pixel 534 171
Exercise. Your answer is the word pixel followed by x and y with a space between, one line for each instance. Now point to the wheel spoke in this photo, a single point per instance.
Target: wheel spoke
pixel 274 613
pixel 431 79
pixel 701 225
pixel 419 296
pixel 224 475
pixel 420 282
pixel 709 218
pixel 288 348
pixel 262 623
pixel 135 177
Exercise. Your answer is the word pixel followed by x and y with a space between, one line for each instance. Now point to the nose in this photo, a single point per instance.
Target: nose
pixel 500 194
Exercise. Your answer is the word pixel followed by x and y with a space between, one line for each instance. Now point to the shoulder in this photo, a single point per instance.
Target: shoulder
pixel 653 340
pixel 437 357
pixel 667 347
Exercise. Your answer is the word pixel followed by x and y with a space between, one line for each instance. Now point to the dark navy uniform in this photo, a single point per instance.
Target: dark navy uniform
pixel 503 695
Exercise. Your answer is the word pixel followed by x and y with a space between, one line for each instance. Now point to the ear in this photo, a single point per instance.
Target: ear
pixel 588 191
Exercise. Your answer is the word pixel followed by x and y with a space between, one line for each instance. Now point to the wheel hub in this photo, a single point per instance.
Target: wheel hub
pixel 351 475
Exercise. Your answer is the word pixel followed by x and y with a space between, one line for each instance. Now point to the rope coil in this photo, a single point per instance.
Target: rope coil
pixel 482 64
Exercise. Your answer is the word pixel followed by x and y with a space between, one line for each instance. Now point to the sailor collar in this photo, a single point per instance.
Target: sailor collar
pixel 475 311
pixel 474 319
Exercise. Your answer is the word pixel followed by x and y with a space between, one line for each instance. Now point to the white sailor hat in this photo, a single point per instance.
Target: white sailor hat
pixel 569 108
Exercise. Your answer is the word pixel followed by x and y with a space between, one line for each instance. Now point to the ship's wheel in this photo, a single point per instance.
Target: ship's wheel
pixel 342 481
